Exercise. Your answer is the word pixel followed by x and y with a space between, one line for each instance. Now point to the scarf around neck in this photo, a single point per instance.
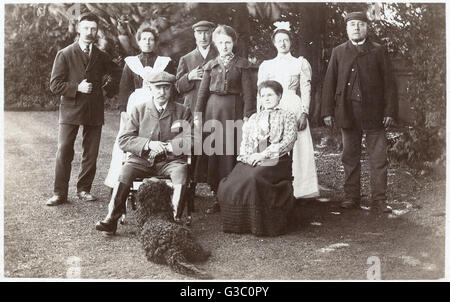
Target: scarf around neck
pixel 226 60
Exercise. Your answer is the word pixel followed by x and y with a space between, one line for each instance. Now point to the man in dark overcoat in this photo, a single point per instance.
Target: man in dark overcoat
pixel 78 75
pixel 190 71
pixel 190 67
pixel 158 136
pixel 359 96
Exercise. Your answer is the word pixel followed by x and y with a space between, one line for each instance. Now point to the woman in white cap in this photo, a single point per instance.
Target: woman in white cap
pixel 294 74
pixel 131 81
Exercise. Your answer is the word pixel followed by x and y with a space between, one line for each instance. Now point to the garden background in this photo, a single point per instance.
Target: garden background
pixel 324 243
pixel 413 33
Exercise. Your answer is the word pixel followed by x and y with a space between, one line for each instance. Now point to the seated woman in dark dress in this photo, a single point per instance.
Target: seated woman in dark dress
pixel 257 196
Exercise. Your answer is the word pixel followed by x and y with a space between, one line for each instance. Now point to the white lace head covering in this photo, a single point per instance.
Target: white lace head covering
pixel 283 27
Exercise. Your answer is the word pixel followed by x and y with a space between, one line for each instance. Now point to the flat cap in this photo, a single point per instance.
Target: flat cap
pixel 89 17
pixel 160 77
pixel 203 25
pixel 361 16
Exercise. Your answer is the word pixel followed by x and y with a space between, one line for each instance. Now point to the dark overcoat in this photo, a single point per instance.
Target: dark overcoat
pixel 69 69
pixel 378 90
pixel 189 89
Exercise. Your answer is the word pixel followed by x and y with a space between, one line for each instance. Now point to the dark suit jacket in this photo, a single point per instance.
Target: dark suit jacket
pixel 189 89
pixel 378 90
pixel 68 71
pixel 144 124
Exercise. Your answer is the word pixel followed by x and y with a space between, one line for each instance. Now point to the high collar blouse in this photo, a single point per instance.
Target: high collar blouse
pixel 270 132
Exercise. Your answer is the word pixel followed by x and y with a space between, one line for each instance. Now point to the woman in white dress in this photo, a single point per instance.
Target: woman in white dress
pixel 294 74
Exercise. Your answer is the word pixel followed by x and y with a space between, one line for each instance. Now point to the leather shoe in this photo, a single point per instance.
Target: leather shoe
pixel 56 200
pixel 109 227
pixel 351 203
pixel 214 209
pixel 86 196
pixel 381 206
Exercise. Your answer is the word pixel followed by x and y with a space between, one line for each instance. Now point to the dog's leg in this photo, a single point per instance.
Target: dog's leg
pixel 193 251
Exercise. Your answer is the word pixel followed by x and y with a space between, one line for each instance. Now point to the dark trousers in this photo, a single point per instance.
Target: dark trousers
pixel 351 158
pixel 64 156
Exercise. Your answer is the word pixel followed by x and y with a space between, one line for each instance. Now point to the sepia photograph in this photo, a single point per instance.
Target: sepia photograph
pixel 241 141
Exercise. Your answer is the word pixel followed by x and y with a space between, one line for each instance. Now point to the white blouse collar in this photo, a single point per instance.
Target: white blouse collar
pixel 284 56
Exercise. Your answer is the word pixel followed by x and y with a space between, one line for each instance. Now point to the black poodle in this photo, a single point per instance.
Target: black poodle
pixel 164 241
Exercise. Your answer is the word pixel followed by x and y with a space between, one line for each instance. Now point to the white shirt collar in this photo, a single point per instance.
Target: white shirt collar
pixel 358 43
pixel 83 45
pixel 204 51
pixel 163 107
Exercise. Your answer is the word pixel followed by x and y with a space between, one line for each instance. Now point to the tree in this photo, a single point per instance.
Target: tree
pixel 414 32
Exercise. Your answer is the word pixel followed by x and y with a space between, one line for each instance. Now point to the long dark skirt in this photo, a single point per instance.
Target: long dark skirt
pixel 211 168
pixel 257 200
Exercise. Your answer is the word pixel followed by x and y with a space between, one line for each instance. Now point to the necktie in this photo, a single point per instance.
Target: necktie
pixel 160 111
pixel 86 52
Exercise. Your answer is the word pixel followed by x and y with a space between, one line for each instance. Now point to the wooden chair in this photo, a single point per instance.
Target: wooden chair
pixel 187 202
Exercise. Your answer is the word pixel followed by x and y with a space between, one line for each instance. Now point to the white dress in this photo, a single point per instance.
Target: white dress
pixel 118 157
pixel 294 75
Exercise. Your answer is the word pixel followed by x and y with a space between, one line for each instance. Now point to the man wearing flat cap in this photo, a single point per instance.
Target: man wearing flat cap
pixel 78 76
pixel 360 97
pixel 190 69
pixel 157 133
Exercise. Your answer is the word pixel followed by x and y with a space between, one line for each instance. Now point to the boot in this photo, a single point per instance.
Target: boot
pixel 178 201
pixel 381 206
pixel 115 209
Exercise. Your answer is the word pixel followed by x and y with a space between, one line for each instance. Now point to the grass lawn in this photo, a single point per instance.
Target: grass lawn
pixel 325 243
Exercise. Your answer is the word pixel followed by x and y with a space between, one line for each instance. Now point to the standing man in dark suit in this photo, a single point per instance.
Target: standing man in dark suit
pixel 158 136
pixel 77 75
pixel 359 96
pixel 190 68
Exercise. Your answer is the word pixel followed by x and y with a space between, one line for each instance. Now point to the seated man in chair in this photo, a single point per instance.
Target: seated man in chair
pixel 158 136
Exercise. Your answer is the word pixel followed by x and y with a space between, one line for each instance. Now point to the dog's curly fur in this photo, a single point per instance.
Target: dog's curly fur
pixel 164 241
